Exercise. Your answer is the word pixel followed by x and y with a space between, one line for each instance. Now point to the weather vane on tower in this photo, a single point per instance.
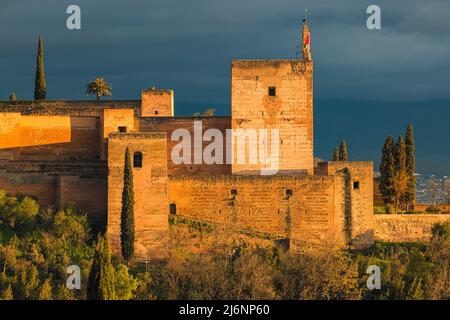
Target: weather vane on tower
pixel 304 41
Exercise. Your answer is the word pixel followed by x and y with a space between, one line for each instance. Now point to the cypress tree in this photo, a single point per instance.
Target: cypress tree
pixel 410 195
pixel 101 282
pixel 343 151
pixel 40 87
pixel 335 154
pixel 400 172
pixel 127 215
pixel 387 171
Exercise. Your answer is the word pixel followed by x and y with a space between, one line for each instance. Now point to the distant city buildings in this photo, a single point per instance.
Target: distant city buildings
pixel 432 189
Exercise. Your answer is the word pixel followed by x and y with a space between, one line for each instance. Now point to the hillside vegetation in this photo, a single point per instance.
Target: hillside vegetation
pixel 38 244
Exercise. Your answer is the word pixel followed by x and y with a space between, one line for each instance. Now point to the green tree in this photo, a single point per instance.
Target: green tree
pixel 40 86
pixel 335 154
pixel 28 283
pixel 400 181
pixel 7 294
pixel 415 290
pixel 101 282
pixel 99 88
pixel 16 212
pixel 25 211
pixel 343 151
pixel 410 195
pixel 126 284
pixel 127 215
pixel 9 254
pixel 387 171
pixel 440 231
pixel 46 291
pixel 12 97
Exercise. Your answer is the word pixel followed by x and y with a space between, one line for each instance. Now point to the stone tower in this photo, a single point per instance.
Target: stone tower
pixel 149 162
pixel 274 95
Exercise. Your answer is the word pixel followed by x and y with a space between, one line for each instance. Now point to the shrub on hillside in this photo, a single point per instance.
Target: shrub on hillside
pixel 433 209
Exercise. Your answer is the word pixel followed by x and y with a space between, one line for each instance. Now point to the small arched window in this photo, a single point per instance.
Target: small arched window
pixel 137 159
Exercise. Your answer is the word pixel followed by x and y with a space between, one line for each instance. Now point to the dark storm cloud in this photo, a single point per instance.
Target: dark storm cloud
pixel 188 46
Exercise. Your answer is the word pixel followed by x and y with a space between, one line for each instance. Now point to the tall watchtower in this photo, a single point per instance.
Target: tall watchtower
pixel 276 94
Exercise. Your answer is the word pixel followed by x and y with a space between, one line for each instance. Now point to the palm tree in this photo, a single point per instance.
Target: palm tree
pixel 98 87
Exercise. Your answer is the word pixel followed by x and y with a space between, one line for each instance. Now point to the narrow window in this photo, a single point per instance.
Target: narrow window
pixel 137 159
pixel 156 112
pixel 234 192
pixel 289 193
pixel 122 129
pixel 355 184
pixel 272 91
pixel 173 208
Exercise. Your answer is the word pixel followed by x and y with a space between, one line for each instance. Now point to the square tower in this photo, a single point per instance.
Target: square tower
pixel 274 95
pixel 157 103
pixel 148 155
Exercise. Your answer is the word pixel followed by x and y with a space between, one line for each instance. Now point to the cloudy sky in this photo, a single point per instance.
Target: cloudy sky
pixel 367 83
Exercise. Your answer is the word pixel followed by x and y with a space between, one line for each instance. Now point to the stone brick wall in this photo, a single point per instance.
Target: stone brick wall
pixel 110 121
pixel 150 189
pixel 406 227
pixel 169 124
pixel 295 206
pixel 31 137
pixel 356 197
pixel 157 103
pixel 40 185
pixel 377 196
pixel 86 193
pixel 290 110
pixel 66 107
pixel 57 183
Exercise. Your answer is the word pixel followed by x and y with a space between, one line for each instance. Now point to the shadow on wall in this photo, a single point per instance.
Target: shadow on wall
pixel 50 138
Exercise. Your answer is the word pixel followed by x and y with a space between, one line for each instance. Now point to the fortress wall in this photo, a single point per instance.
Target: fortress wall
pixel 110 121
pixel 262 204
pixel 88 194
pixel 150 191
pixel 341 221
pixel 31 137
pixel 80 108
pixel 406 227
pixel 290 110
pixel 59 182
pixel 357 193
pixel 377 196
pixel 169 124
pixel 39 185
pixel 10 135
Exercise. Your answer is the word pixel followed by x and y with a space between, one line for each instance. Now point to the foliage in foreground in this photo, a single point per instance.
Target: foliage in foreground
pixel 37 245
